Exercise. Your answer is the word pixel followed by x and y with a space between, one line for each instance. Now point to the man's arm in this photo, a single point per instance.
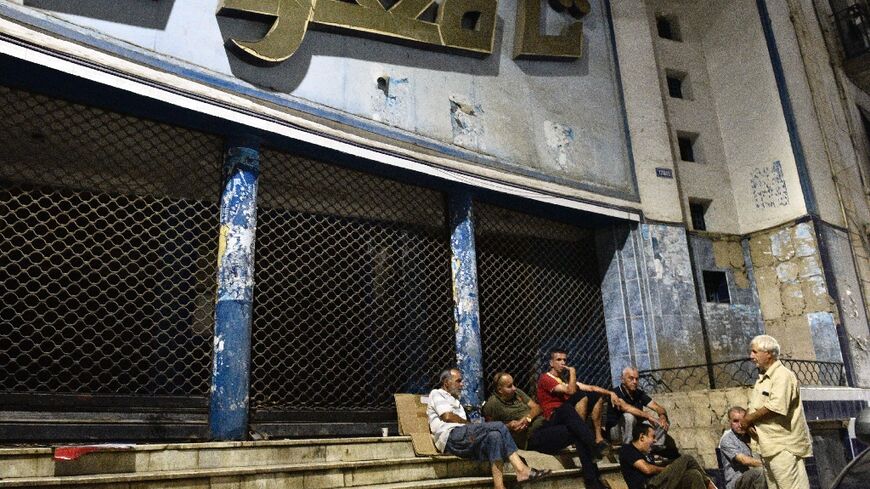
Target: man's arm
pixel 747 460
pixel 595 389
pixel 637 413
pixel 569 387
pixel 647 468
pixel 663 414
pixel 534 409
pixel 449 417
pixel 753 417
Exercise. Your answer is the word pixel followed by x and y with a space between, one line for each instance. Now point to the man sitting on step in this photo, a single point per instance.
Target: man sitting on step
pixel 628 410
pixel 522 416
pixel 640 473
pixel 490 442
pixel 567 402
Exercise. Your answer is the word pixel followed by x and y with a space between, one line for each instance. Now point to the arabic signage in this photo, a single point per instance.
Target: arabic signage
pixel 460 25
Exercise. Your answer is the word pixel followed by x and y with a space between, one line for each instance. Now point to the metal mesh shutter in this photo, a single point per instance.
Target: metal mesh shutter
pixel 108 227
pixel 539 289
pixel 353 291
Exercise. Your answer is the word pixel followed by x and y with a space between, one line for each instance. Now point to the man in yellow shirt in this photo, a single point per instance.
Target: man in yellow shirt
pixel 776 418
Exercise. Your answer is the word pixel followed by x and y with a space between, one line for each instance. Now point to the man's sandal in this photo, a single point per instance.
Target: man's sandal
pixel 536 474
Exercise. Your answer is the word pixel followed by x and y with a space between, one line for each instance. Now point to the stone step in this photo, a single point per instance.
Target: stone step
pixel 320 475
pixel 559 479
pixel 38 462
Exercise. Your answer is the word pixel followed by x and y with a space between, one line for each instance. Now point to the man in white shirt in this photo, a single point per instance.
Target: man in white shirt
pixel 453 434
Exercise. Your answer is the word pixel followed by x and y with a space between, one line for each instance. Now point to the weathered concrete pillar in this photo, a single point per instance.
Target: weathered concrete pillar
pixel 650 307
pixel 228 410
pixel 466 308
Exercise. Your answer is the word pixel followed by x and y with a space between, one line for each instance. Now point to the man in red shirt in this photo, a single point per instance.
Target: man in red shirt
pixel 566 401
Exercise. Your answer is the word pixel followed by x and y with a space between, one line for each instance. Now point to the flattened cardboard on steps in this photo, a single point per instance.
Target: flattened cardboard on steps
pixel 413 422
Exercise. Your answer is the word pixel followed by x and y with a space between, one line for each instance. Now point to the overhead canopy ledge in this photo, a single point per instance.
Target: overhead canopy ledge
pixel 27 46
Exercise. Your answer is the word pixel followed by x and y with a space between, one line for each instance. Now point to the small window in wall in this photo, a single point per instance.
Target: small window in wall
pixel 690 146
pixel 716 287
pixel 698 210
pixel 668 27
pixel 678 85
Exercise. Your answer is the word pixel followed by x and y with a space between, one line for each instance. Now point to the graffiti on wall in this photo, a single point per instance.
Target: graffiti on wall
pixel 768 186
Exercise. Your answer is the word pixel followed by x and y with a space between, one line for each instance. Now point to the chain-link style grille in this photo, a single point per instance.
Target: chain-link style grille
pixel 352 301
pixel 108 227
pixel 539 289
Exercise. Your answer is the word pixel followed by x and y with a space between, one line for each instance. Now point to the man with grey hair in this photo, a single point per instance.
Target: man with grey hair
pixel 628 409
pixel 776 418
pixel 491 442
pixel 741 469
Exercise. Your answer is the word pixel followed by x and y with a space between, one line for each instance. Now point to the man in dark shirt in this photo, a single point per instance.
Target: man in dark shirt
pixel 523 418
pixel 640 473
pixel 628 411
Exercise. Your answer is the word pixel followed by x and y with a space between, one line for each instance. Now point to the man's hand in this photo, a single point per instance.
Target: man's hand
pixel 614 399
pixel 663 422
pixel 517 425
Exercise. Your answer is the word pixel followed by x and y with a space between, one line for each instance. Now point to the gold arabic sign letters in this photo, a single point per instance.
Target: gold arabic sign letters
pixel 463 25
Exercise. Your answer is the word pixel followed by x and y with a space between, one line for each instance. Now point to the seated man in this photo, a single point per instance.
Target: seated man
pixel 628 410
pixel 566 402
pixel 482 441
pixel 640 473
pixel 742 470
pixel 522 416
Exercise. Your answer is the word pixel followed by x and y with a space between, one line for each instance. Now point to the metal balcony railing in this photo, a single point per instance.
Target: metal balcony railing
pixel 736 373
pixel 853 25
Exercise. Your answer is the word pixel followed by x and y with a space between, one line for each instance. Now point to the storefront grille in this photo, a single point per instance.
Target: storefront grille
pixel 539 289
pixel 107 254
pixel 352 300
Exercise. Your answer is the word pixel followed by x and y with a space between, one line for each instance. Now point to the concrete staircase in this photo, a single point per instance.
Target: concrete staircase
pixel 384 463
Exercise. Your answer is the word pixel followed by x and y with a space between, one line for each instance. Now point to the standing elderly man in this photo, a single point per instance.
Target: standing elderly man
pixel 776 418
pixel 490 442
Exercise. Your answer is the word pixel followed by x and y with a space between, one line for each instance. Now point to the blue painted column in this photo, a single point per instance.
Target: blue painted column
pixel 228 410
pixel 466 309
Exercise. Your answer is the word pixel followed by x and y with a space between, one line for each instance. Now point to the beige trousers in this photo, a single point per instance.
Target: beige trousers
pixel 785 471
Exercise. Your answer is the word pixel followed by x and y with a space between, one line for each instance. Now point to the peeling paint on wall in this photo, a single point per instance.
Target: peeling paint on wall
pixel 795 303
pixel 466 308
pixel 465 118
pixel 730 326
pixel 392 101
pixel 559 139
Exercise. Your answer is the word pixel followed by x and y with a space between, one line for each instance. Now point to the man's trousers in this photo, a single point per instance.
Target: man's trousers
pixel 490 442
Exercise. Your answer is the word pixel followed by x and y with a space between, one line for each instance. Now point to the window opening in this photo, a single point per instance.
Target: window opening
pixel 668 28
pixel 698 211
pixel 689 145
pixel 716 287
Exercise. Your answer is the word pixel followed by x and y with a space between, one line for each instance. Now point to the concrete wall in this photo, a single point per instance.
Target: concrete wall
pixel 796 305
pixel 707 178
pixel 556 121
pixel 647 123
pixel 650 307
pixel 699 418
pixel 730 326
pixel 821 126
pixel 849 298
pixel 761 163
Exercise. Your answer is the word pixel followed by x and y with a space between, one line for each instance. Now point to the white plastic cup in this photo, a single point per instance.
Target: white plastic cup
pixel 385 431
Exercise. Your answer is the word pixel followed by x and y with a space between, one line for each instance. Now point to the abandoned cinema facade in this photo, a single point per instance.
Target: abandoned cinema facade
pixel 223 214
